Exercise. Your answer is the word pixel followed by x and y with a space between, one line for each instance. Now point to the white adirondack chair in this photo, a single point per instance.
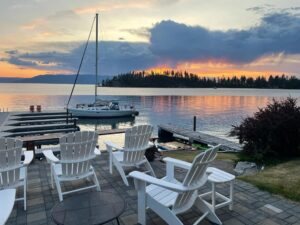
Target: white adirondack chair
pixel 13 171
pixel 7 203
pixel 133 153
pixel 168 197
pixel 76 152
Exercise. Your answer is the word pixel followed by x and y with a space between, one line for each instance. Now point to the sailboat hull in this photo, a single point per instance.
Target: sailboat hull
pixel 94 113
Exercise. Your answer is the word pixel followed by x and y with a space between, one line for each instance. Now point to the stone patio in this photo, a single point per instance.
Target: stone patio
pixel 251 205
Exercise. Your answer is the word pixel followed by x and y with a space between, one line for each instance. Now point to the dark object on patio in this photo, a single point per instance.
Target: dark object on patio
pixel 89 208
pixel 151 153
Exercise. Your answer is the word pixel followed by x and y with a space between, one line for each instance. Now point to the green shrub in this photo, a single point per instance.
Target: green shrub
pixel 272 133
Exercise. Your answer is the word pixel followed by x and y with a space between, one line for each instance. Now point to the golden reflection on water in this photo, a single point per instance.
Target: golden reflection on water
pixel 22 102
pixel 206 105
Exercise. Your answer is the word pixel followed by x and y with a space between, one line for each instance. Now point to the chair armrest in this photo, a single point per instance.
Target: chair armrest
pixel 159 182
pixel 51 158
pixel 177 162
pixel 28 157
pixel 97 151
pixel 111 146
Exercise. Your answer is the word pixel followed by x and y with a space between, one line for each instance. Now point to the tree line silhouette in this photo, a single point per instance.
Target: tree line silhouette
pixel 174 79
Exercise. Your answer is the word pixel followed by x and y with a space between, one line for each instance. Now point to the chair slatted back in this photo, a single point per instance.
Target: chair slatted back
pixel 195 178
pixel 136 142
pixel 10 161
pixel 77 149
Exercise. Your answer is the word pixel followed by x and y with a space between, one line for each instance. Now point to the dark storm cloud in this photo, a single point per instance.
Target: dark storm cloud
pixel 115 57
pixel 277 33
pixel 141 32
pixel 20 62
pixel 11 52
pixel 173 42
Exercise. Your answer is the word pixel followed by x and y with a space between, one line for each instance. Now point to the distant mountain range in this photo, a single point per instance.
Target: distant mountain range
pixel 55 79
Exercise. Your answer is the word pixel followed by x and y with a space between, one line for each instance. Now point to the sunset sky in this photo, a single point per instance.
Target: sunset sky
pixel 217 37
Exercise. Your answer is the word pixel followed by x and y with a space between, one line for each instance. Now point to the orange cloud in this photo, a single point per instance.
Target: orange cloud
pixel 34 24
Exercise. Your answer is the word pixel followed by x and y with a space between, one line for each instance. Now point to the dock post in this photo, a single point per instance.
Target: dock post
pixel 67 116
pixel 194 123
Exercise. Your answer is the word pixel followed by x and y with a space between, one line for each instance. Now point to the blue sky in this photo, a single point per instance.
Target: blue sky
pixel 212 38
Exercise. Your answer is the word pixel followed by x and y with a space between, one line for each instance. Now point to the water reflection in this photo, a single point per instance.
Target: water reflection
pixel 215 114
pixel 108 123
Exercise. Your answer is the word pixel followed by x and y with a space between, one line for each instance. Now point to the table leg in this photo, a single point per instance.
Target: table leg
pixel 213 195
pixel 231 194
pixel 118 220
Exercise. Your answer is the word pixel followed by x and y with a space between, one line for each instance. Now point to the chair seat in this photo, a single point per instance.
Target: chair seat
pixel 164 196
pixel 58 172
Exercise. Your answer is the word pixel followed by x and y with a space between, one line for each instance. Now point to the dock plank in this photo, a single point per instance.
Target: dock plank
pixel 37 127
pixel 38 117
pixel 113 131
pixel 39 132
pixel 201 137
pixel 45 121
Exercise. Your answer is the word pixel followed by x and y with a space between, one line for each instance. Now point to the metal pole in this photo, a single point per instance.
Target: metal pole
pixel 194 124
pixel 96 83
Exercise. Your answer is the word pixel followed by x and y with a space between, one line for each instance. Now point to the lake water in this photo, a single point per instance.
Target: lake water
pixel 216 109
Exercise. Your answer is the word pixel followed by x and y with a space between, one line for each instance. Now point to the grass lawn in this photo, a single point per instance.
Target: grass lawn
pixel 282 179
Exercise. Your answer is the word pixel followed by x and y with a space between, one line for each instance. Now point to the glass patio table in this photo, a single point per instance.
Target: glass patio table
pixel 89 208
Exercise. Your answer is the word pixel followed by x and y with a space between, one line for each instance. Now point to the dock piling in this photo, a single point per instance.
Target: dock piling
pixel 194 123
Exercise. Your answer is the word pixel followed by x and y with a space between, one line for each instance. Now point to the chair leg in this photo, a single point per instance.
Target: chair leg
pixel 25 190
pixel 51 176
pixel 110 162
pixel 121 172
pixel 231 194
pixel 58 187
pixel 165 213
pixel 207 211
pixel 141 192
pixel 213 196
pixel 96 181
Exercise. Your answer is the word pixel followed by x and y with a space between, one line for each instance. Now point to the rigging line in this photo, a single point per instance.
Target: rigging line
pixel 78 71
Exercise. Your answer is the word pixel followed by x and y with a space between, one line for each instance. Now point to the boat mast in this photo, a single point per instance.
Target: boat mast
pixel 96 83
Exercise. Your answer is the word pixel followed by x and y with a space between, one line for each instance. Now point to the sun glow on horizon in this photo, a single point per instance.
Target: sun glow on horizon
pixel 9 70
pixel 213 69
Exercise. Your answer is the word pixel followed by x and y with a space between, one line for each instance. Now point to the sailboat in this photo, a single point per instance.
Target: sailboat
pixel 100 108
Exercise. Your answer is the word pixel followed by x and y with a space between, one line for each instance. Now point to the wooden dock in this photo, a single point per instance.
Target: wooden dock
pixel 167 131
pixel 112 131
pixel 20 124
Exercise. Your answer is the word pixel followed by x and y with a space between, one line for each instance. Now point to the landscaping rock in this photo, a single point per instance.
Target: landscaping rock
pixel 244 168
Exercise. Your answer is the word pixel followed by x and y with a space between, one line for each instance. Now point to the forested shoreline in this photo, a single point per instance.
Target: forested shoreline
pixel 174 79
